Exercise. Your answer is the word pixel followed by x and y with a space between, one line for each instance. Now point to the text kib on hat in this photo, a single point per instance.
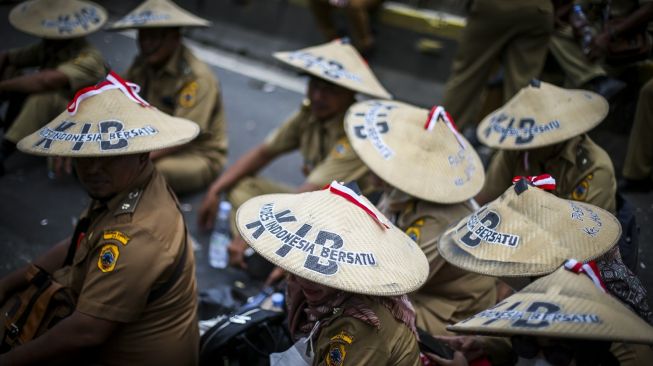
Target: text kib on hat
pixel 414 150
pixel 563 304
pixel 528 232
pixel 334 237
pixel 109 119
pixel 58 19
pixel 542 114
pixel 159 13
pixel 337 62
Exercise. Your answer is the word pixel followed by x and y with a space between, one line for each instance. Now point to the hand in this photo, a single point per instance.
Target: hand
pixel 275 276
pixel 470 346
pixel 458 359
pixel 236 250
pixel 503 291
pixel 599 46
pixel 63 165
pixel 208 210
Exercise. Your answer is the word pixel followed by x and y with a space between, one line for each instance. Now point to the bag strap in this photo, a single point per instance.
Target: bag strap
pixel 81 227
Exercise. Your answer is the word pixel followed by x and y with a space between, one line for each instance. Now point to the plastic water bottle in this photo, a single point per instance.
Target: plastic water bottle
pixel 278 301
pixel 220 238
pixel 579 21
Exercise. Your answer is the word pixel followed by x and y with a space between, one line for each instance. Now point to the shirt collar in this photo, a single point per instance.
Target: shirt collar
pixel 113 204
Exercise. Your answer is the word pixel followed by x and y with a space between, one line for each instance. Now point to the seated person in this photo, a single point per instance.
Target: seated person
pixel 64 59
pixel 129 266
pixel 178 83
pixel 349 272
pixel 566 318
pixel 336 73
pixel 528 233
pixel 429 184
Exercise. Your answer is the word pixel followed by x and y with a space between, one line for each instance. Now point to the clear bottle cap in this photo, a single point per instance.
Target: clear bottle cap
pixel 277 299
pixel 225 205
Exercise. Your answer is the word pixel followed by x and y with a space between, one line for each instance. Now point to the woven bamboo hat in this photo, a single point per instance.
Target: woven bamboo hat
pixel 414 150
pixel 563 304
pixel 159 13
pixel 337 62
pixel 58 19
pixel 528 232
pixel 109 119
pixel 334 237
pixel 542 114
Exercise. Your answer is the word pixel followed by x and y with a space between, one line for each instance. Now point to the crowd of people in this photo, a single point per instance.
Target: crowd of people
pixel 399 236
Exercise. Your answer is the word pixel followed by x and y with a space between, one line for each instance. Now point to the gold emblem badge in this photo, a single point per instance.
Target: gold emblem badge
pixel 188 95
pixel 108 258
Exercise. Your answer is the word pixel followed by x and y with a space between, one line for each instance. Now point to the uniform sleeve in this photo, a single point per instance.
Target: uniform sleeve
pixel 342 164
pixel 287 136
pixel 348 341
pixel 87 68
pixel 426 231
pixel 197 101
pixel 120 276
pixel 599 189
pixel 27 56
pixel 498 176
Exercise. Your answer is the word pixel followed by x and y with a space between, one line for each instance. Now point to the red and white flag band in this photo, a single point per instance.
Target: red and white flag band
pixel 543 181
pixel 438 113
pixel 590 269
pixel 353 197
pixel 112 81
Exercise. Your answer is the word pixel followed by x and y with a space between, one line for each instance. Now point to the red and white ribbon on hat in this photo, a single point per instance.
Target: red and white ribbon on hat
pixel 112 81
pixel 543 181
pixel 590 269
pixel 353 197
pixel 438 113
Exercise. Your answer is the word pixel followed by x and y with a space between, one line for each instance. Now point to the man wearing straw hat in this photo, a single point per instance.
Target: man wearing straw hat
pixel 336 72
pixel 66 62
pixel 565 317
pixel 349 272
pixel 178 83
pixel 431 173
pixel 543 129
pixel 129 264
pixel 528 233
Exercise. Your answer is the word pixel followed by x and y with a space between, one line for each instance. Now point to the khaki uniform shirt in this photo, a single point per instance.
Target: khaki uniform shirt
pixel 131 247
pixel 450 294
pixel 186 87
pixel 323 145
pixel 582 170
pixel 349 341
pixel 80 61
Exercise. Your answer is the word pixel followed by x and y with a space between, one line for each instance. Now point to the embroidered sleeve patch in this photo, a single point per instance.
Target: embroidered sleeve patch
pixel 340 148
pixel 188 95
pixel 582 189
pixel 338 349
pixel 117 236
pixel 414 230
pixel 108 258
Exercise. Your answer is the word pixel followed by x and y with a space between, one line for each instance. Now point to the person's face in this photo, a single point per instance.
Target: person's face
pixel 328 99
pixel 314 292
pixel 104 177
pixel 158 44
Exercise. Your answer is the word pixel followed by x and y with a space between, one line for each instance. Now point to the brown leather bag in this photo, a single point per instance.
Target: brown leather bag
pixel 31 312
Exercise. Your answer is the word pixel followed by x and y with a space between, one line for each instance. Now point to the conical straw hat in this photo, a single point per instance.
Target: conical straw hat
pixel 542 114
pixel 563 304
pixel 414 150
pixel 332 237
pixel 159 13
pixel 528 234
pixel 339 63
pixel 108 120
pixel 58 19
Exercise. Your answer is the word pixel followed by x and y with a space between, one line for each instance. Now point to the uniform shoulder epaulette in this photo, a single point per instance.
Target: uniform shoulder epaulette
pixel 582 157
pixel 128 205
